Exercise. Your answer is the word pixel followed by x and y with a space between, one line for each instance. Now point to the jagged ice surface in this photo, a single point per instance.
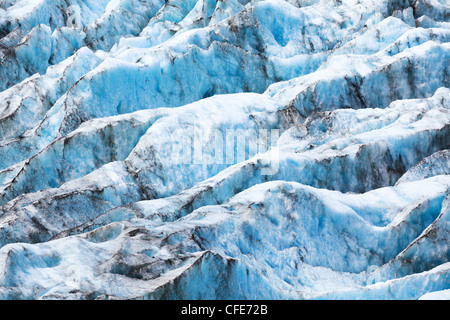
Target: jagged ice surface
pixel 118 179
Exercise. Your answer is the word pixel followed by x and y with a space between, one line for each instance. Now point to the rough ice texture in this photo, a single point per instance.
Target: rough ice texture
pixel 100 198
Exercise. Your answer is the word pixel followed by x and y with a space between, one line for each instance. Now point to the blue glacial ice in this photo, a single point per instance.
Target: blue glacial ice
pixel 241 149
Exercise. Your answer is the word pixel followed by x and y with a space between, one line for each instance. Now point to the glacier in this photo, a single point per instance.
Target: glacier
pixel 238 149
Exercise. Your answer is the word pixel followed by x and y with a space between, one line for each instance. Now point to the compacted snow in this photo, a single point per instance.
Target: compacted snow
pixel 203 149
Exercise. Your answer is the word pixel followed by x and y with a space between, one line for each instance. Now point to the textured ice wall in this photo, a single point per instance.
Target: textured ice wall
pixel 118 179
